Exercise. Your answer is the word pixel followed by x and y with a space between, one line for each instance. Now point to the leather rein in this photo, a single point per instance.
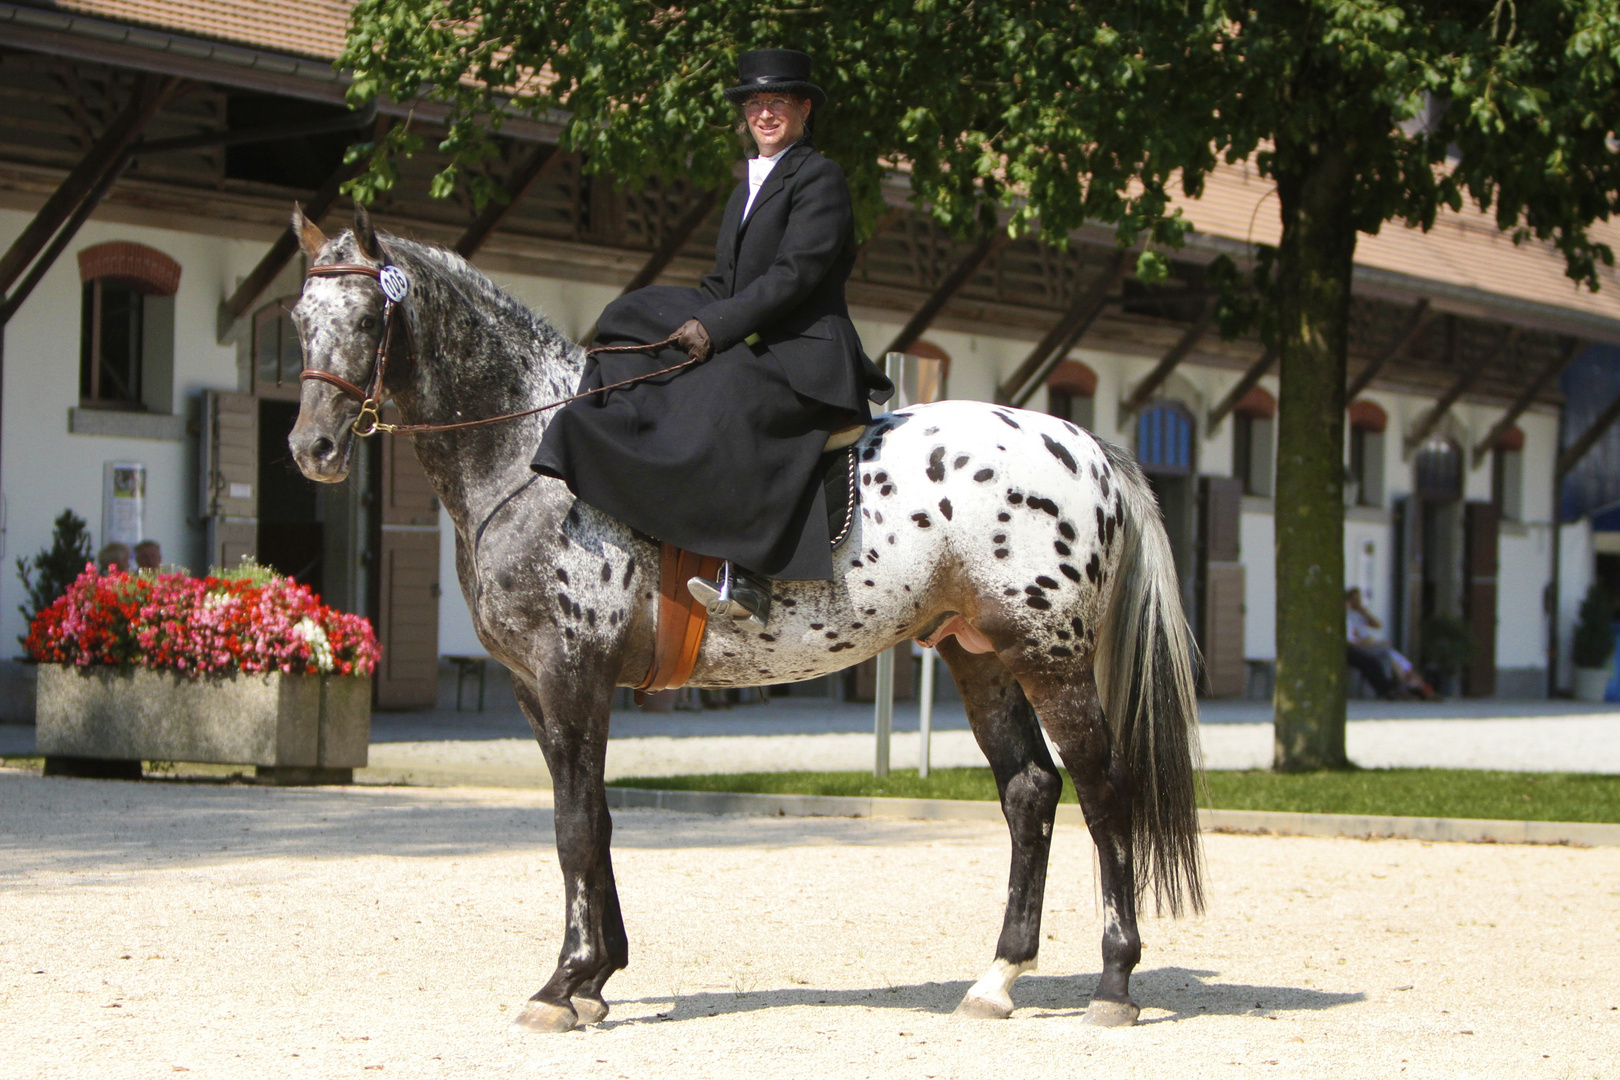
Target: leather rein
pixel 395 286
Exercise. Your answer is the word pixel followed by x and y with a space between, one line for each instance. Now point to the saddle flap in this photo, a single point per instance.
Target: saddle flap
pixel 681 620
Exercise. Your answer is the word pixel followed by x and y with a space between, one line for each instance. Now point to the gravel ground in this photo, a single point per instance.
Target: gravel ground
pixel 150 928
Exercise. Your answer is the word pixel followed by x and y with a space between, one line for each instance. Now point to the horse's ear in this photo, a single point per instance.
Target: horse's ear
pixel 310 237
pixel 365 235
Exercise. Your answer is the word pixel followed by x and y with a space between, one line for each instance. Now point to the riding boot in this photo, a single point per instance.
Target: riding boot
pixel 740 595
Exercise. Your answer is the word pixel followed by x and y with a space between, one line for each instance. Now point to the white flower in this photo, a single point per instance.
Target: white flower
pixel 320 650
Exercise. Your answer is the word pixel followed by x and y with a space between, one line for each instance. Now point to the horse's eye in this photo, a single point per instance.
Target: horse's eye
pixel 368 322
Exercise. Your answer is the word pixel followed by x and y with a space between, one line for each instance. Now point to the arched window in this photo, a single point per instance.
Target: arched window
pixel 1439 470
pixel 277 355
pixel 1164 439
pixel 1252 422
pixel 1366 468
pixel 1507 475
pixel 121 329
pixel 1071 390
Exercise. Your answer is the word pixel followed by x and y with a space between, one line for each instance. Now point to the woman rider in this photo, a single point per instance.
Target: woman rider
pixel 723 458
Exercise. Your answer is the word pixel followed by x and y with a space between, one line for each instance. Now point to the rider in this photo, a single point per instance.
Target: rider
pixel 724 458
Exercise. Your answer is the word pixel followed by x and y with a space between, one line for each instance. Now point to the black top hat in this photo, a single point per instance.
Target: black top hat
pixel 786 70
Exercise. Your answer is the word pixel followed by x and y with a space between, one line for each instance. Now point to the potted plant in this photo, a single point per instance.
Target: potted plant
pixel 1593 647
pixel 1447 649
pixel 245 667
pixel 45 577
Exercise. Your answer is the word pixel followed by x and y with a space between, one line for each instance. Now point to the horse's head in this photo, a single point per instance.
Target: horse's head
pixel 340 321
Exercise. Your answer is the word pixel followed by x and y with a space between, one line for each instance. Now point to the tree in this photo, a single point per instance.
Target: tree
pixel 1361 111
pixel 58 566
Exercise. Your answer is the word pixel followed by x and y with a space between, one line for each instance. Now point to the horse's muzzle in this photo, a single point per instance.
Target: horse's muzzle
pixel 323 447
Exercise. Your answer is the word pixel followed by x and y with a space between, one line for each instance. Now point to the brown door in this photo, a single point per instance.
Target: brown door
pixel 1220 609
pixel 229 470
pixel 407 581
pixel 1480 529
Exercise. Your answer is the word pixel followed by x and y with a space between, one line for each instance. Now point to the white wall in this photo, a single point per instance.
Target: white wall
pixel 44 469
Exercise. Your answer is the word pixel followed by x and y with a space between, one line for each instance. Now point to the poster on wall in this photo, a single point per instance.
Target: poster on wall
pixel 123 503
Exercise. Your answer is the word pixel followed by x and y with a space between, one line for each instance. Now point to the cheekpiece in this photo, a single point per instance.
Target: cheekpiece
pixel 765 70
pixel 394 283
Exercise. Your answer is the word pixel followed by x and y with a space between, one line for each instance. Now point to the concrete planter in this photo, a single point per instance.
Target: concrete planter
pixel 293 728
pixel 1591 682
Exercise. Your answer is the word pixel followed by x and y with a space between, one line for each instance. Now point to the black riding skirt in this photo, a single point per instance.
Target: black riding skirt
pixel 721 459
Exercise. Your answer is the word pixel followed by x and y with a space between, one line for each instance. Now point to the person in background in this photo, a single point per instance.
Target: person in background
pixel 148 555
pixel 1360 625
pixel 113 556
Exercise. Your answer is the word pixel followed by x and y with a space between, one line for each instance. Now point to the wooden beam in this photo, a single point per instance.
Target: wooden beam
pixel 1583 445
pixel 286 245
pixel 1431 419
pixel 61 240
pixel 982 252
pixel 1022 383
pixel 1178 352
pixel 518 183
pixel 1414 326
pixel 108 153
pixel 1251 378
pixel 890 218
pixel 1557 364
pixel 695 216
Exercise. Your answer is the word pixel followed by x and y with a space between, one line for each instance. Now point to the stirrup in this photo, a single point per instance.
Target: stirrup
pixel 734 595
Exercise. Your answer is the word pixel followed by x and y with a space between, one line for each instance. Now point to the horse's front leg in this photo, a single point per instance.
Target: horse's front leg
pixel 570 718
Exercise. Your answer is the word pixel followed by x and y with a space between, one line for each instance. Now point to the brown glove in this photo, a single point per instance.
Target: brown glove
pixel 695 340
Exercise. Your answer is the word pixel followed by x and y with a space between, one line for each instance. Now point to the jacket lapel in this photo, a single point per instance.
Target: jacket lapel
pixel 773 183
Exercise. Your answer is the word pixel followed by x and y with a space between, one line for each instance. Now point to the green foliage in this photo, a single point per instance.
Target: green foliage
pixel 1061 113
pixel 57 566
pixel 1594 634
pixel 1448 647
pixel 1457 793
pixel 249 570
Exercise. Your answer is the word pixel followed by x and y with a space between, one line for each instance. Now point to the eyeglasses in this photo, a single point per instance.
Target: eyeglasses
pixel 778 106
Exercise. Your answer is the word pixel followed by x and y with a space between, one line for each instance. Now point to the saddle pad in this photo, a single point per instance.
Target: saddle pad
pixel 681 620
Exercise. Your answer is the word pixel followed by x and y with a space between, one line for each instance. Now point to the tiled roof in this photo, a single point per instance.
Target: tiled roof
pixel 1464 250
pixel 310 28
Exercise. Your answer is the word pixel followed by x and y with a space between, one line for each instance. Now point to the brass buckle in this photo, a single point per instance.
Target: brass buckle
pixel 366 424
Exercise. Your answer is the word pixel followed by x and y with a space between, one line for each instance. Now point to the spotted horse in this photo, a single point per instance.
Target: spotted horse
pixel 1030 551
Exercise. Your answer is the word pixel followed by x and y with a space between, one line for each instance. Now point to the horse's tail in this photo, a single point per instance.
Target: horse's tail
pixel 1145 676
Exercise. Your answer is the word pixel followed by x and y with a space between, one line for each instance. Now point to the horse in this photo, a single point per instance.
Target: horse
pixel 1032 552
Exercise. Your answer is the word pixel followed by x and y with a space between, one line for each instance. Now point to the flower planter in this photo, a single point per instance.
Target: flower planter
pixel 1590 683
pixel 19 685
pixel 295 728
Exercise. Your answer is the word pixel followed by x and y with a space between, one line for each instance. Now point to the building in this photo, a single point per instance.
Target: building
pixel 150 154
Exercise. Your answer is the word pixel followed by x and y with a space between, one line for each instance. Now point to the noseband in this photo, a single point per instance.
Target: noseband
pixel 395 286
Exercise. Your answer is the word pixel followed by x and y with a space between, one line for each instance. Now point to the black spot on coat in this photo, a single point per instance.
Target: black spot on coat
pixel 936 465
pixel 1059 451
pixel 984 474
pixel 944 508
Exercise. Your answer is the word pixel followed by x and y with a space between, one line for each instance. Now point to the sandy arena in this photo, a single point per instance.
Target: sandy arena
pixel 149 929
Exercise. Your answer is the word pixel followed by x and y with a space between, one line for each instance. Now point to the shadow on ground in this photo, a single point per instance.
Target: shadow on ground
pixel 1185 992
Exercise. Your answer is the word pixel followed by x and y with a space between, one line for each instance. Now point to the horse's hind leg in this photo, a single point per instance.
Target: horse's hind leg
pixel 1072 714
pixel 571 724
pixel 1010 736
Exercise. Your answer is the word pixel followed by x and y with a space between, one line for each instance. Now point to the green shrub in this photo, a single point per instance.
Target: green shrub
pixel 1448 647
pixel 57 566
pixel 1594 634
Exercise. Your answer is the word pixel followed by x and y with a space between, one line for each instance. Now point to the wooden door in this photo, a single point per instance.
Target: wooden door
pixel 228 499
pixel 1481 524
pixel 1221 580
pixel 407 581
pixel 1406 625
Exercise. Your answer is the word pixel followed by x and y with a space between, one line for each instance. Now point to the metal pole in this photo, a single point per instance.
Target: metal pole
pixel 925 712
pixel 883 721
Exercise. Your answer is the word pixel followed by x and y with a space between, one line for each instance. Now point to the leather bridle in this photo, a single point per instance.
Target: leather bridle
pixel 395 286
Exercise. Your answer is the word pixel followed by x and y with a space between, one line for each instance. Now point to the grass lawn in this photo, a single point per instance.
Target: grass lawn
pixel 1458 793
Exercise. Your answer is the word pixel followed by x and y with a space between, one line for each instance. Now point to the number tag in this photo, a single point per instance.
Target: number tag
pixel 394 283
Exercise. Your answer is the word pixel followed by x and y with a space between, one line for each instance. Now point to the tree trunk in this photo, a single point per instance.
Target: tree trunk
pixel 1313 274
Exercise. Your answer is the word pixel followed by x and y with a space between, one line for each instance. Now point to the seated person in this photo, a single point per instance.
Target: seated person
pixel 1359 626
pixel 113 556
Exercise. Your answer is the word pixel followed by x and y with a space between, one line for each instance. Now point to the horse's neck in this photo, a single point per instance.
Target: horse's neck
pixel 479 357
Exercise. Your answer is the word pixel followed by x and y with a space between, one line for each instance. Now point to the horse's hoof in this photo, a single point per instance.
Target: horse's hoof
pixel 589 1010
pixel 979 1008
pixel 1112 1013
pixel 543 1017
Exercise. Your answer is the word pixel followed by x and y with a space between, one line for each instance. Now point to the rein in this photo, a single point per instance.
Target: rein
pixel 395 285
